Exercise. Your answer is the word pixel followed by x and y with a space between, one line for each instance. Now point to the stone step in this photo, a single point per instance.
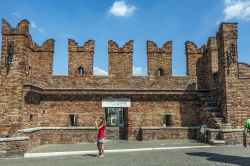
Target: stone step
pixel 211 104
pixel 205 94
pixel 217 114
pixel 219 120
pixel 213 109
pixel 217 142
pixel 3 153
pixel 207 99
pixel 225 126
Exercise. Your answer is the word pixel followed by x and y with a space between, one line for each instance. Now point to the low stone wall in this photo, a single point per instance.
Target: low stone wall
pixel 34 137
pixel 233 136
pixel 13 147
pixel 213 134
pixel 162 133
pixel 62 135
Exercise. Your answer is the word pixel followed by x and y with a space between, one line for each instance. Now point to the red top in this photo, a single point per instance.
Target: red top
pixel 101 133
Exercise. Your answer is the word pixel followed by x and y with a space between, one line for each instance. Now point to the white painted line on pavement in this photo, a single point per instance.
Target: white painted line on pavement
pixel 50 154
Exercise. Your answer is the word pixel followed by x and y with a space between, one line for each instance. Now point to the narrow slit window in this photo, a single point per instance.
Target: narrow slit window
pixel 159 72
pixel 80 70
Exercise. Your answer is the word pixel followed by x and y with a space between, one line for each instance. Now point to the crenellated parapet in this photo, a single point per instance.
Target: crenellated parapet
pixel 37 61
pixel 159 60
pixel 191 48
pixel 120 59
pixel 47 46
pixel 22 28
pixel 194 61
pixel 153 48
pixel 114 48
pixel 81 58
pixel 87 46
pixel 244 70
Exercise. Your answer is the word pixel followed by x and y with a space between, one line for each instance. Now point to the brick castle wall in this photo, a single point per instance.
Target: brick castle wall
pixel 32 97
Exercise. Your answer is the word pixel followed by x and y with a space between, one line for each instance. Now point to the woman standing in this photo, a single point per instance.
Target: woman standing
pixel 101 135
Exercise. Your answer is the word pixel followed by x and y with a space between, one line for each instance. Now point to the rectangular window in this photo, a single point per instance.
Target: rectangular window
pixel 168 120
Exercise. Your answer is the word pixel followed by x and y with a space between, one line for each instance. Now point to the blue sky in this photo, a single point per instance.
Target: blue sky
pixel 124 20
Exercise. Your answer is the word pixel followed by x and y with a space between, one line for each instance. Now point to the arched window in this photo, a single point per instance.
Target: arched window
pixel 159 72
pixel 80 70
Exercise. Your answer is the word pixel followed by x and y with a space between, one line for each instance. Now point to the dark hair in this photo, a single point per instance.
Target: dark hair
pixel 103 119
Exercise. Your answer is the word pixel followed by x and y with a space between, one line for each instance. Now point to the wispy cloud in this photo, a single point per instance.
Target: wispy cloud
pixel 138 71
pixel 16 15
pixel 33 24
pixel 236 9
pixel 100 72
pixel 41 30
pixel 122 9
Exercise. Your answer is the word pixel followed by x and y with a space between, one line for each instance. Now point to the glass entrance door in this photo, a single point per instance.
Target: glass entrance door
pixel 115 117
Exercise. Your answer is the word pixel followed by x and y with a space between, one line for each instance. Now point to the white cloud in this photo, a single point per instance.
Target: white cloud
pixel 33 24
pixel 99 71
pixel 138 71
pixel 121 9
pixel 239 9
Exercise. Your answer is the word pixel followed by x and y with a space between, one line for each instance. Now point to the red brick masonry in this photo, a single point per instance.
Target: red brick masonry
pixel 215 92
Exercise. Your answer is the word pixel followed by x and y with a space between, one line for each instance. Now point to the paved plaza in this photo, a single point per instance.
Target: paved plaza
pixel 129 153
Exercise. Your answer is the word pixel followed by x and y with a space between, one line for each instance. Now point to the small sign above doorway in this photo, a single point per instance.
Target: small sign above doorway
pixel 116 102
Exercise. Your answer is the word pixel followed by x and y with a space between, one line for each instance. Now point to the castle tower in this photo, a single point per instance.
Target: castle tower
pixel 227 37
pixel 14 72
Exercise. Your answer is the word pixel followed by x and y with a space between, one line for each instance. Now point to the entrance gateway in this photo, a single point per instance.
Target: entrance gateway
pixel 116 113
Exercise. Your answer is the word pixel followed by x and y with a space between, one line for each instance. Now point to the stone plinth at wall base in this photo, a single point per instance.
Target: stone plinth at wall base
pixel 213 134
pixel 233 136
pixel 13 147
pixel 162 133
pixel 230 136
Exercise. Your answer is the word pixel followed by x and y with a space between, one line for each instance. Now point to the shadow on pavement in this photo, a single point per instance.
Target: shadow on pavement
pixel 90 155
pixel 243 161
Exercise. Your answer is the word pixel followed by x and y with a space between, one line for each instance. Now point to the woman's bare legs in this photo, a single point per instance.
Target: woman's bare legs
pixel 99 149
pixel 102 149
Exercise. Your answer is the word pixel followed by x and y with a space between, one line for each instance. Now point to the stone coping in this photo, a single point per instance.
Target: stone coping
pixel 232 130
pixel 226 130
pixel 36 87
pixel 14 139
pixel 213 130
pixel 30 130
pixel 167 128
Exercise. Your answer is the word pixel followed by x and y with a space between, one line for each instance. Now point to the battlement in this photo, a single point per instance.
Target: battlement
pixel 39 59
pixel 22 28
pixel 88 46
pixel 114 48
pixel 153 48
pixel 33 97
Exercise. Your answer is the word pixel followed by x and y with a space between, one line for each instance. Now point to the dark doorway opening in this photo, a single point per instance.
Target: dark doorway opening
pixel 117 117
